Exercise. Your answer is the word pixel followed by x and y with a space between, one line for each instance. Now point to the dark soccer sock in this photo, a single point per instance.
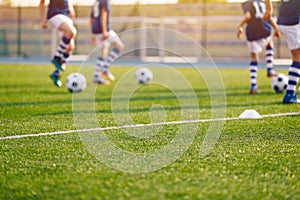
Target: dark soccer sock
pixel 113 55
pixel 253 73
pixel 64 42
pixel 65 57
pixel 100 64
pixel 293 77
pixel 269 57
pixel 56 72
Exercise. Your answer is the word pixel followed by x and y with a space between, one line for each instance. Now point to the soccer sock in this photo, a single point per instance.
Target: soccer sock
pixel 56 72
pixel 65 57
pixel 253 73
pixel 100 65
pixel 113 55
pixel 293 76
pixel 64 42
pixel 269 57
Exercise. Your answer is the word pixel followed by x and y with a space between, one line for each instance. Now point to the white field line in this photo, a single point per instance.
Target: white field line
pixel 138 125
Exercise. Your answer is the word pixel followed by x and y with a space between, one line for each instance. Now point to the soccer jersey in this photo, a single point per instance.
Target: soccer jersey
pixel 289 12
pixel 256 28
pixel 96 15
pixel 58 7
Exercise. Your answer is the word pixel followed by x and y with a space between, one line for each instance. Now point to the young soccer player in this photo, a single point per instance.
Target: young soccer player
pixel 59 15
pixel 289 24
pixel 103 37
pixel 258 34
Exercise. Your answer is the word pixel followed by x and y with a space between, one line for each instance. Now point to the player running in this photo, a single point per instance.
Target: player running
pixel 103 37
pixel 289 24
pixel 59 16
pixel 258 34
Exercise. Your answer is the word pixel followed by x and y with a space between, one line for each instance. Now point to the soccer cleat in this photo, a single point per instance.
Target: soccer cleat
pixel 55 79
pixel 106 73
pixel 290 98
pixel 100 81
pixel 271 73
pixel 59 63
pixel 253 90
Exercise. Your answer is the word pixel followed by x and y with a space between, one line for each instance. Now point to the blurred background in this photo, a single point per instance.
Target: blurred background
pixel 211 23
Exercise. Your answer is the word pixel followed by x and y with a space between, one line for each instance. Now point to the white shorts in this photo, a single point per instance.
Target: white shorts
pixel 112 37
pixel 57 20
pixel 257 46
pixel 292 34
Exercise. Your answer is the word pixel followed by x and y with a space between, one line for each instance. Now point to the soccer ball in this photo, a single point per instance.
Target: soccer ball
pixel 76 82
pixel 143 75
pixel 279 83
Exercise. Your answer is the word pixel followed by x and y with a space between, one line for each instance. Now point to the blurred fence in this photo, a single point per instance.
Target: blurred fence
pixel 22 36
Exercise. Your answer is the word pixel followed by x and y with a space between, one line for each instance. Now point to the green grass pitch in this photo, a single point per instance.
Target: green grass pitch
pixel 253 158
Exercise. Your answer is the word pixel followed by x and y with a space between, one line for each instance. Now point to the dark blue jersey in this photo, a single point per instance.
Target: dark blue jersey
pixel 96 15
pixel 58 7
pixel 256 28
pixel 289 12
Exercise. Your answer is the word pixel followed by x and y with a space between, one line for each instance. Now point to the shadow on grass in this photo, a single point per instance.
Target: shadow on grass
pixel 202 95
pixel 167 108
pixel 168 96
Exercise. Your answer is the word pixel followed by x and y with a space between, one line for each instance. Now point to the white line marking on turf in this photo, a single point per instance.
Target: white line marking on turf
pixel 138 125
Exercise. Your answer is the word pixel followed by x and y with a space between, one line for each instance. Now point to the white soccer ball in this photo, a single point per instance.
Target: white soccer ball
pixel 279 83
pixel 143 75
pixel 76 82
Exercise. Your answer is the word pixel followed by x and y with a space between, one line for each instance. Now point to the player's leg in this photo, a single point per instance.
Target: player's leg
pixel 292 34
pixel 270 59
pixel 254 48
pixel 103 47
pixel 293 75
pixel 69 50
pixel 118 46
pixel 253 72
pixel 66 44
pixel 55 76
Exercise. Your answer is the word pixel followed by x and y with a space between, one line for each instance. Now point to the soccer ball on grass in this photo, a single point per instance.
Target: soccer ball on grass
pixel 76 82
pixel 143 75
pixel 279 83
